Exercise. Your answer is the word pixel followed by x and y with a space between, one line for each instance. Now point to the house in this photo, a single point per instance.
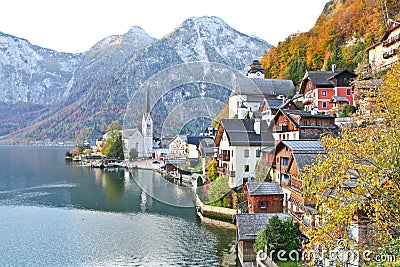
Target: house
pixel 318 88
pixel 247 227
pixel 270 107
pixel 250 95
pixel 264 197
pixel 178 146
pixel 239 143
pixel 297 124
pixel 384 53
pixel 207 152
pixel 291 157
pixel 193 142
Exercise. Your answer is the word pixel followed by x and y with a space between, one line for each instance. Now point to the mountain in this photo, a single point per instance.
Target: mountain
pixel 114 68
pixel 32 74
pixel 340 36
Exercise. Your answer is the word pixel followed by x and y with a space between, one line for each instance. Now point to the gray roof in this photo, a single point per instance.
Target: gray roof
pixel 304 160
pixel 340 99
pixel 274 103
pixel 304 146
pixel 241 132
pixel 206 147
pixel 320 78
pixel 265 87
pixel 264 188
pixel 249 224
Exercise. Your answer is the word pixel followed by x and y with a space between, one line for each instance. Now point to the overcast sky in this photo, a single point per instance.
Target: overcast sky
pixel 76 25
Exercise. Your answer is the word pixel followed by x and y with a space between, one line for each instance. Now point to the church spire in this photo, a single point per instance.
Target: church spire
pixel 147 102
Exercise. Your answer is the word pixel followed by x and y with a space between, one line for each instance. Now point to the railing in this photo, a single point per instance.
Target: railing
pixel 224 157
pixel 221 170
pixel 308 100
pixel 282 128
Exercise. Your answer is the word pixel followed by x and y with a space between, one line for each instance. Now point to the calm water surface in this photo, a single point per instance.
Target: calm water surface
pixel 54 213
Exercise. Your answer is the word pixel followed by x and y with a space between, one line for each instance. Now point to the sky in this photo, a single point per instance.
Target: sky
pixel 76 25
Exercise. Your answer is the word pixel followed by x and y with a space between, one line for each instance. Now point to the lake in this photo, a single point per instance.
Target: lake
pixel 58 213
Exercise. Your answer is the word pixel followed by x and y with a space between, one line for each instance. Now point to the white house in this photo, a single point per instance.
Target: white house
pixel 239 142
pixel 249 97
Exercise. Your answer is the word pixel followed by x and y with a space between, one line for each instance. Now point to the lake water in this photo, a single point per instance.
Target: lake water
pixel 57 213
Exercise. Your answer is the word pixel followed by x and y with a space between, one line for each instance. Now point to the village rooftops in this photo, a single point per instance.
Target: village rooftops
pixel 265 87
pixel 249 224
pixel 264 188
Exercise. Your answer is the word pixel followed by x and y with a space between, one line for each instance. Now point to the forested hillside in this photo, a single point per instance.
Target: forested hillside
pixel 340 36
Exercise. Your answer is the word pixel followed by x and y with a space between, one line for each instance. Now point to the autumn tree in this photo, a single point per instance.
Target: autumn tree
pixel 360 176
pixel 113 147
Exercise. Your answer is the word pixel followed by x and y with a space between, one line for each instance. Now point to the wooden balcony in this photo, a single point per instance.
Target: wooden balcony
pixel 308 100
pixel 279 129
pixel 224 157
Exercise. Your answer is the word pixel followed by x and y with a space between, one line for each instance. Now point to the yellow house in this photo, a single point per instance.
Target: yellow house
pixel 385 52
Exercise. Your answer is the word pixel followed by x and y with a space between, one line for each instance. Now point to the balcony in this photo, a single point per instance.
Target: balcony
pixel 308 100
pixel 224 157
pixel 279 129
pixel 221 170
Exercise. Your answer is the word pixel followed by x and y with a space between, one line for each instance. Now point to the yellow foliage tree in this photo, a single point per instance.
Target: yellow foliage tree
pixel 360 176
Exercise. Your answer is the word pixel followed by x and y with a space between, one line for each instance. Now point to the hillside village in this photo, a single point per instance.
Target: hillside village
pixel 270 137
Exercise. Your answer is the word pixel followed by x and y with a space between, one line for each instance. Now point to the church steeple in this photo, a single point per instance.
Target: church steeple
pixel 147 102
pixel 147 129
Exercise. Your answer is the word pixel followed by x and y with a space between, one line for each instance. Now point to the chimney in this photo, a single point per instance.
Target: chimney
pixel 334 68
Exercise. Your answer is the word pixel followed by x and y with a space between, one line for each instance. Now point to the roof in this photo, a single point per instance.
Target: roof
pixel 195 139
pixel 304 146
pixel 249 224
pixel 320 78
pixel 265 87
pixel 338 73
pixel 206 147
pixel 340 99
pixel 264 188
pixel 241 132
pixel 306 159
pixel 274 103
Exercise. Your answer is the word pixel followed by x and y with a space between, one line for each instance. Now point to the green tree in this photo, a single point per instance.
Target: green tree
pixel 347 110
pixel 133 154
pixel 297 69
pixel 335 57
pixel 261 171
pixel 217 191
pixel 113 147
pixel 360 173
pixel 278 235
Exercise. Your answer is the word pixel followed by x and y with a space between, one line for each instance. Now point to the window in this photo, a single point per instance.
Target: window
pixel 348 92
pixel 323 93
pixel 263 204
pixel 246 153
pixel 324 105
pixel 284 161
pixel 309 85
pixel 246 168
pixel 258 153
pixel 285 177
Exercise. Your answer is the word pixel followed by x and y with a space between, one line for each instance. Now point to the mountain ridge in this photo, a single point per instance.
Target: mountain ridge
pixel 112 69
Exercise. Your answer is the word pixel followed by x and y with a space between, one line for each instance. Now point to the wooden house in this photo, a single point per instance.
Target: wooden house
pixel 248 225
pixel 264 197
pixel 297 124
pixel 291 157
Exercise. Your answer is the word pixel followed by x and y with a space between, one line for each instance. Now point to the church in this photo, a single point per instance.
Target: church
pixel 141 141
